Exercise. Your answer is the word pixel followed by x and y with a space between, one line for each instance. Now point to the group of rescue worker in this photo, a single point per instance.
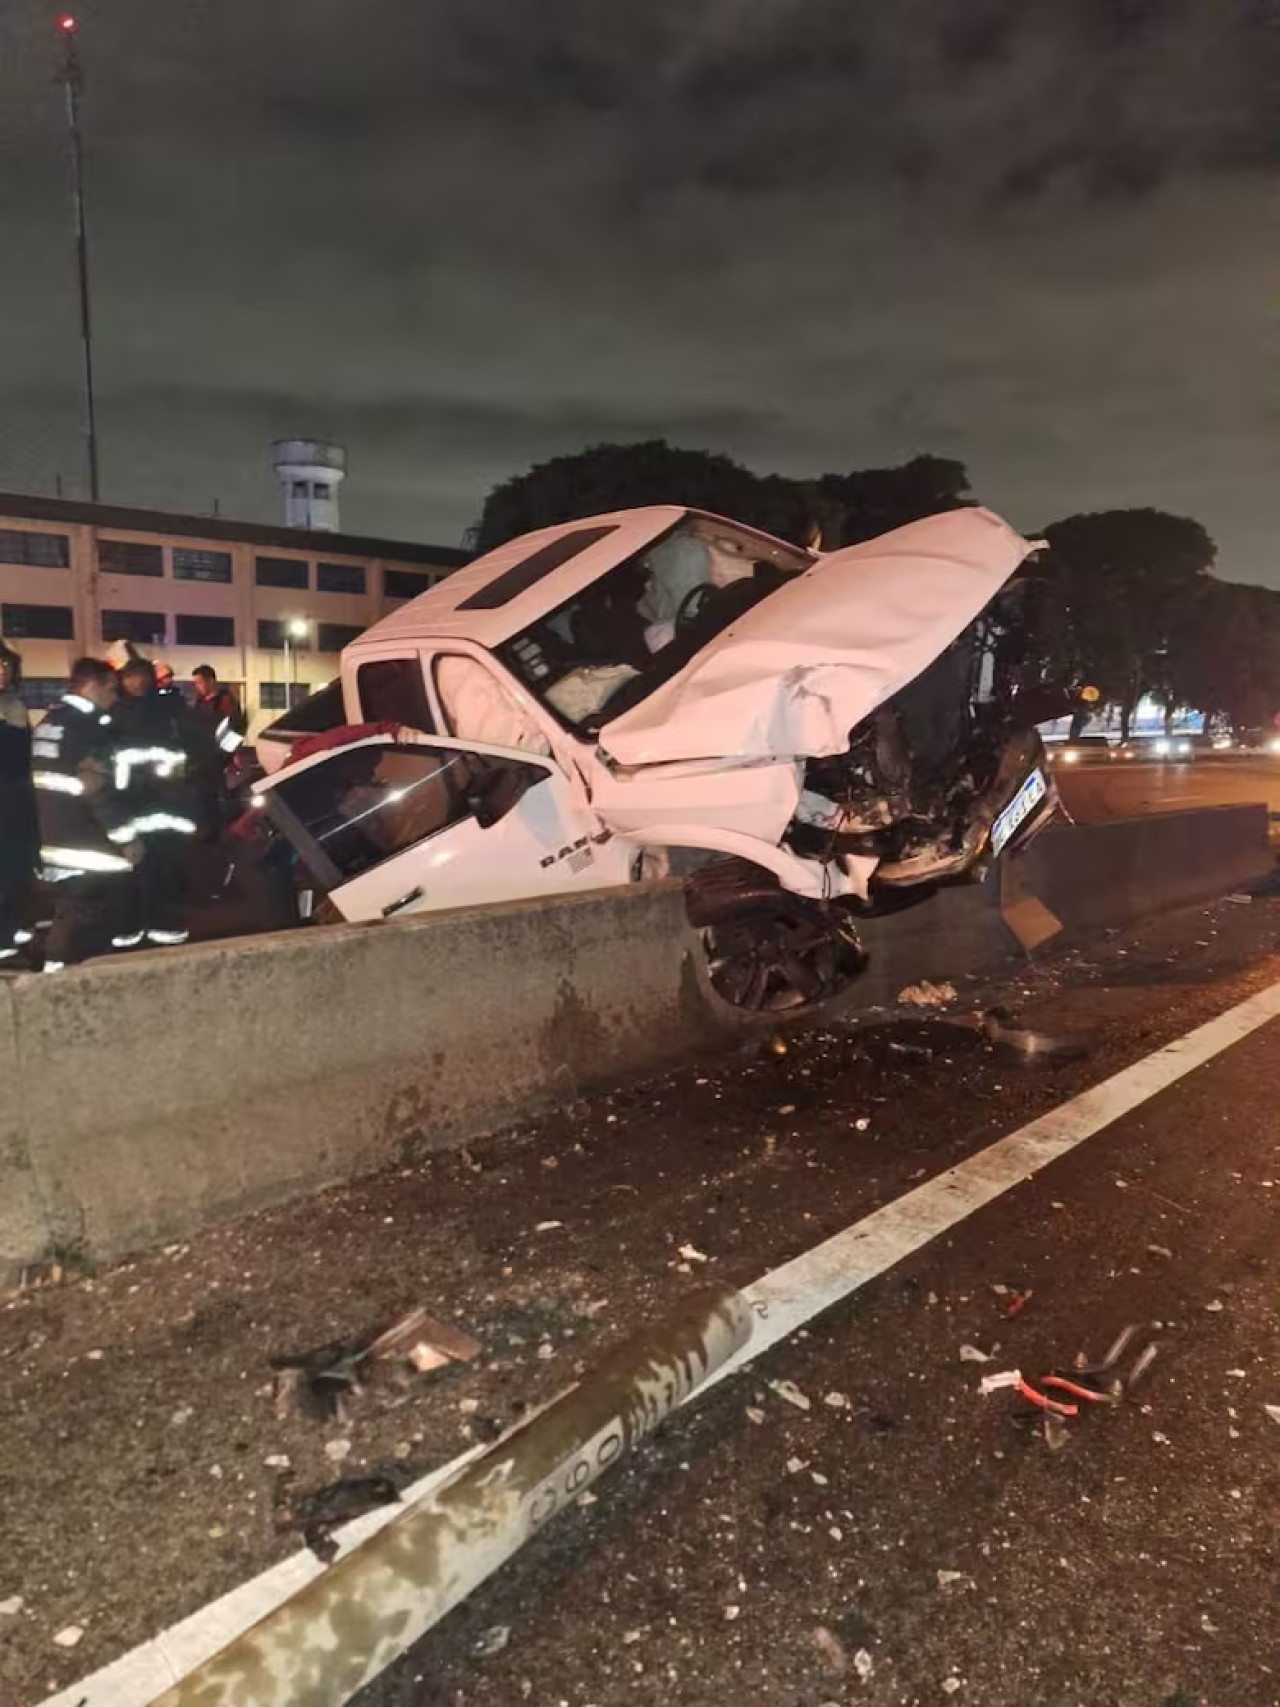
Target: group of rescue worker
pixel 102 803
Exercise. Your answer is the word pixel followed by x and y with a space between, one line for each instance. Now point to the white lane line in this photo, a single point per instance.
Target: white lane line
pixel 785 1300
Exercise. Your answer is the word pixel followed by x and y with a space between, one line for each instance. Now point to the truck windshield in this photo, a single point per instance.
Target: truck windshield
pixel 639 623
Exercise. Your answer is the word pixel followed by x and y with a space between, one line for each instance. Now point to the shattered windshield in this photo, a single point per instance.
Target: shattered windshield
pixel 637 625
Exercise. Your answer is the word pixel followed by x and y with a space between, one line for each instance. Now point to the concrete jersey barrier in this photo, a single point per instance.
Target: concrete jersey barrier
pixel 149 1097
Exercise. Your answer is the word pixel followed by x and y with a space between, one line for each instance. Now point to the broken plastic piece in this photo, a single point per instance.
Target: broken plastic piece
pixel 791 1393
pixel 993 1383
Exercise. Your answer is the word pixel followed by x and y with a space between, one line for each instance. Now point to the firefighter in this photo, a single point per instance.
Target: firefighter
pixel 17 811
pixel 151 760
pixel 88 850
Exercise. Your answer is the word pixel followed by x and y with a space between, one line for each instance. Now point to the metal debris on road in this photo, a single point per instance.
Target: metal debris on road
pixel 321 1380
pixel 492 1641
pixel 1061 1396
pixel 791 1393
pixel 926 995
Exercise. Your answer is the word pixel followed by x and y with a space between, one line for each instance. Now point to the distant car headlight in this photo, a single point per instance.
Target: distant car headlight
pixel 1222 743
pixel 1273 745
pixel 1183 748
pixel 1161 748
pixel 1070 756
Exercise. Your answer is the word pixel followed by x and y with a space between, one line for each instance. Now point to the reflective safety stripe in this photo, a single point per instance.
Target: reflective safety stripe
pixel 151 822
pixel 168 939
pixel 130 941
pixel 57 782
pixel 79 702
pixel 21 937
pixel 164 761
pixel 226 736
pixel 77 861
pixel 8 953
pixel 55 966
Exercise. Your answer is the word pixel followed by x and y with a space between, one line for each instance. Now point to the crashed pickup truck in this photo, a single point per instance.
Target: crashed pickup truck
pixel 806 738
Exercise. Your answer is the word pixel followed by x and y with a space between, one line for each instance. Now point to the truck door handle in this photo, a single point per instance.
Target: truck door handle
pixel 404 901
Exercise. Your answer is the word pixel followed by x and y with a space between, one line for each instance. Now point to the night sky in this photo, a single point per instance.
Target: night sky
pixel 462 235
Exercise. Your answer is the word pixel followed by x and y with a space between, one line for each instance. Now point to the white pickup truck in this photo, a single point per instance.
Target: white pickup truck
pixel 824 731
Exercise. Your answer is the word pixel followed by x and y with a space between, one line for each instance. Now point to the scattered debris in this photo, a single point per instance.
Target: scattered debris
pixel 832 1650
pixel 1273 1411
pixel 971 1354
pixel 787 1108
pixel 71 1637
pixel 276 1461
pixel 994 1383
pixel 946 1578
pixel 1214 1305
pixel 926 995
pixel 181 1416
pixel 837 1401
pixel 1101 1383
pixel 1160 1251
pixel 1018 1303
pixel 336 1450
pixel 950 1685
pixel 795 1465
pixel 321 1380
pixel 691 1253
pixel 791 1393
pixel 731 1613
pixel 12 1607
pixel 492 1641
pixel 548 1226
pixel 864 1665
pixel 754 1414
pixel 1036 1047
pixel 861 1125
pixel 319 1513
pixel 1239 900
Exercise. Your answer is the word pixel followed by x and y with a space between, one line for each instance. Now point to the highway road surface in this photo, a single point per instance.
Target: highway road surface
pixel 1093 792
pixel 850 1520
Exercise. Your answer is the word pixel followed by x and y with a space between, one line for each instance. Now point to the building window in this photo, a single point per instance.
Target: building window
pixel 405 583
pixel 301 489
pixel 340 578
pixel 39 693
pixel 37 550
pixel 282 696
pixel 130 557
pixel 333 636
pixel 36 622
pixel 206 631
pixel 192 565
pixel 271 635
pixel 321 490
pixel 282 572
pixel 147 627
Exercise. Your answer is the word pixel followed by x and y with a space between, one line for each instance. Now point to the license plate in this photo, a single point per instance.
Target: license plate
pixel 1019 809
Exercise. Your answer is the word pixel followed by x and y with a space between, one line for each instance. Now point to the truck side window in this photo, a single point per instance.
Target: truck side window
pixel 391 690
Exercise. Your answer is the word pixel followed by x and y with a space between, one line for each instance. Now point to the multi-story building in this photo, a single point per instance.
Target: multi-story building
pixel 270 608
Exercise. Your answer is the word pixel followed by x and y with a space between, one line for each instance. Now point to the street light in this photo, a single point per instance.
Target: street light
pixel 71 80
pixel 295 628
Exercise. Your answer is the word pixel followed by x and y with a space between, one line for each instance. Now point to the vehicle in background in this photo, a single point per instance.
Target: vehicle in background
pixel 818 737
pixel 1083 750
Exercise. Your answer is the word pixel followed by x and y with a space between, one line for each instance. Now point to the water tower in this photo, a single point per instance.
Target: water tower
pixel 310 473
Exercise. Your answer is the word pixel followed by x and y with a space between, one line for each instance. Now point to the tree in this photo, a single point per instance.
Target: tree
pixel 1125 581
pixel 871 501
pixel 618 477
pixel 1224 654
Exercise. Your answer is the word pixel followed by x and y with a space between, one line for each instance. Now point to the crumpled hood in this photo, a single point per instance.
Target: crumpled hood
pixel 792 677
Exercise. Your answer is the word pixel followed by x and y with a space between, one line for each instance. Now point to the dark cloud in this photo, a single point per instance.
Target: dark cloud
pixel 467 234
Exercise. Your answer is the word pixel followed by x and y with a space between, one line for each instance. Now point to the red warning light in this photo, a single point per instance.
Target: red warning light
pixel 67 24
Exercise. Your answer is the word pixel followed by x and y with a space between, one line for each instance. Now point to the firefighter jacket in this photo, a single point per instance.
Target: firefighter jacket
pixel 152 768
pixel 83 820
